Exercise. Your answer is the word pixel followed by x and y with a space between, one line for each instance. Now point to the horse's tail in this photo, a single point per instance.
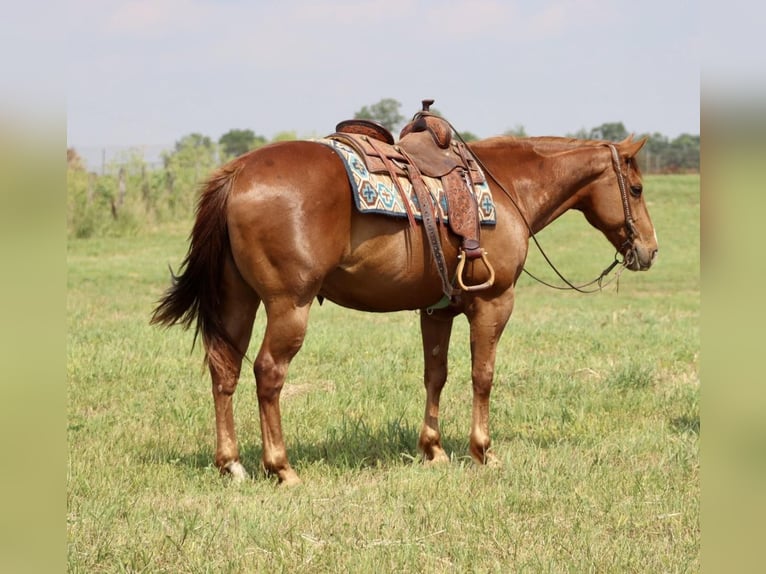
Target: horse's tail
pixel 196 291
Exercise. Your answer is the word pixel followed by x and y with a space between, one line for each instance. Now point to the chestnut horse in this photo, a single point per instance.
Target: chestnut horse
pixel 278 226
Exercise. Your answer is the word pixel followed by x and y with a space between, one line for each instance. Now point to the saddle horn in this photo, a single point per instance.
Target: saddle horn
pixel 426 120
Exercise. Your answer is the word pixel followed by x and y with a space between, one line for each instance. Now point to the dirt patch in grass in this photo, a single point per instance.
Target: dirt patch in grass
pixel 299 388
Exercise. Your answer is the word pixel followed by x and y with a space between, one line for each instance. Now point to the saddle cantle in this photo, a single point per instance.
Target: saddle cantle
pixel 367 128
pixel 426 148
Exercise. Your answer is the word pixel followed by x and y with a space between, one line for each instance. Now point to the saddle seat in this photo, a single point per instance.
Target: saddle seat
pixel 426 142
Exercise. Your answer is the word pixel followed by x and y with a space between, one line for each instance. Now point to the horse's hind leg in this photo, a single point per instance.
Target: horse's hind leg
pixel 285 331
pixel 237 315
pixel 435 330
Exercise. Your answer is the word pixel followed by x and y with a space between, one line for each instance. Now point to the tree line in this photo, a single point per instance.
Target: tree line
pixel 659 155
pixel 130 194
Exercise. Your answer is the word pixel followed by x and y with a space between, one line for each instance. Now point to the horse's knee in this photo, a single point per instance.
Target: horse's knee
pixel 481 380
pixel 435 381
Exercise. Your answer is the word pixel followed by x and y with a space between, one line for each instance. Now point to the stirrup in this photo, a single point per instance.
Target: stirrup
pixel 460 266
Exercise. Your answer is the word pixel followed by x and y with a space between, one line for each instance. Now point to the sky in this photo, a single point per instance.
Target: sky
pixel 148 72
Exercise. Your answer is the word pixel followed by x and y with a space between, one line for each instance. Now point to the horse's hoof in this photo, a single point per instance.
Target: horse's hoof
pixel 486 460
pixel 236 471
pixel 491 461
pixel 288 478
pixel 438 458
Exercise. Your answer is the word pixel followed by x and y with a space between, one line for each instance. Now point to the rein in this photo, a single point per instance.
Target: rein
pixel 624 262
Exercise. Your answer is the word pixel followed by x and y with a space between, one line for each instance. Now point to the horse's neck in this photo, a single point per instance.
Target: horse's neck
pixel 546 173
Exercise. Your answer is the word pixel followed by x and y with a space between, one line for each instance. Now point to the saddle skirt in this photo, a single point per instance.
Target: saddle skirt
pixel 375 191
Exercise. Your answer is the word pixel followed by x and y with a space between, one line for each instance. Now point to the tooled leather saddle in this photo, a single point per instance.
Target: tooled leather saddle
pixel 426 148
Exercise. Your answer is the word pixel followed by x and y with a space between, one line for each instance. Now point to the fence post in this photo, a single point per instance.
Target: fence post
pixel 90 189
pixel 121 190
pixel 145 187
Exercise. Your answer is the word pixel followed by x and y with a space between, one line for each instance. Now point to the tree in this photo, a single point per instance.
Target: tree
pixel 193 151
pixel 73 160
pixel 517 131
pixel 610 131
pixel 653 153
pixel 386 112
pixel 659 154
pixel 193 141
pixel 684 154
pixel 285 136
pixel 193 158
pixel 581 134
pixel 237 142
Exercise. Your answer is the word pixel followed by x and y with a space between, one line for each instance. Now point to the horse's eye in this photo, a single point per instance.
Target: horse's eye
pixel 636 189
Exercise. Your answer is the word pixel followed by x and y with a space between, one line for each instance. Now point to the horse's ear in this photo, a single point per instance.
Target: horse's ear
pixel 630 148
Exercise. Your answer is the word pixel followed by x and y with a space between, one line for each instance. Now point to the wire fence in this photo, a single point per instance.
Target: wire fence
pixel 99 159
pixel 119 189
pixel 104 159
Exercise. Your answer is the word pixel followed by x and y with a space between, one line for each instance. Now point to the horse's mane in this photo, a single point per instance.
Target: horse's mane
pixel 536 141
pixel 555 140
pixel 543 144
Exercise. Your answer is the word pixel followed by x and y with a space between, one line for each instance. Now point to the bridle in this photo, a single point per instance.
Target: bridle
pixel 629 221
pixel 623 261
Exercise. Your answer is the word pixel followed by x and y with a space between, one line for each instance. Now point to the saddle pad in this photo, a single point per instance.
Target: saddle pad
pixel 376 193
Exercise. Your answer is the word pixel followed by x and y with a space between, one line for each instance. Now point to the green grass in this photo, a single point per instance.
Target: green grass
pixel 594 417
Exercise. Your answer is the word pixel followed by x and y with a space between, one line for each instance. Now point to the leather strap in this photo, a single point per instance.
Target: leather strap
pixel 429 225
pixel 392 172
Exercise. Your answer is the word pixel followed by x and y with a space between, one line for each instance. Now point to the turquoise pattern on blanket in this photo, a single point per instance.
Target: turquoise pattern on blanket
pixel 377 193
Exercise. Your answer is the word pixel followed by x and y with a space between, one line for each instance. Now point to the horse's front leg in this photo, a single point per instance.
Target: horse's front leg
pixel 435 329
pixel 487 319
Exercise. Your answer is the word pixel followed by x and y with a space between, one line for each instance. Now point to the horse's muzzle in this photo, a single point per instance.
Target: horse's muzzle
pixel 639 258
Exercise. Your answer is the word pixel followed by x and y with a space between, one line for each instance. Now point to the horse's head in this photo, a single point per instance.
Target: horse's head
pixel 615 205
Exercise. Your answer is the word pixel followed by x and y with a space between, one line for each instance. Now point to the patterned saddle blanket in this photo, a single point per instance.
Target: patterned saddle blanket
pixel 377 193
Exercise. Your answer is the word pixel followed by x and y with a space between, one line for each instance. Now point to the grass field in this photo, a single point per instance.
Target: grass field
pixel 595 419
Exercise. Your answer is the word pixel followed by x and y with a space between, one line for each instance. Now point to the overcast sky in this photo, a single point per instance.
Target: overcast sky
pixel 147 72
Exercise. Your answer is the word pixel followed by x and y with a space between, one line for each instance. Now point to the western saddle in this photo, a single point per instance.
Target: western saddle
pixel 426 148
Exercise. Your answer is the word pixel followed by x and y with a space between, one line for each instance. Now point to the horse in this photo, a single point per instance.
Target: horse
pixel 277 226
